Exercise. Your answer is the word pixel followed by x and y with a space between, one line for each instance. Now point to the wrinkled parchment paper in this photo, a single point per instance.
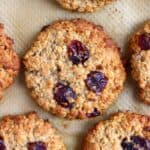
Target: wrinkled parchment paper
pixel 23 20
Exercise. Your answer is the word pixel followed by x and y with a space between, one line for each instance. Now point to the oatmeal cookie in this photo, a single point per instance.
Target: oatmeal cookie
pixel 28 132
pixel 140 61
pixel 84 5
pixel 74 69
pixel 9 61
pixel 123 131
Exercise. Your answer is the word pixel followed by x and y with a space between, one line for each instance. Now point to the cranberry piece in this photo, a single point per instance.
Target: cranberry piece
pixel 96 81
pixel 78 52
pixel 148 144
pixel 36 146
pixel 95 113
pixel 136 143
pixel 63 94
pixel 144 41
pixel 127 145
pixel 139 140
pixel 2 145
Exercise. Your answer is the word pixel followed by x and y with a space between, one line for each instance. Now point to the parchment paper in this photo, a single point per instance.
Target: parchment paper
pixel 23 20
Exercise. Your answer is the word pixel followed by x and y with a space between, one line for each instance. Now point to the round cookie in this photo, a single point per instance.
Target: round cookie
pixel 140 61
pixel 84 5
pixel 28 132
pixel 9 61
pixel 123 131
pixel 74 69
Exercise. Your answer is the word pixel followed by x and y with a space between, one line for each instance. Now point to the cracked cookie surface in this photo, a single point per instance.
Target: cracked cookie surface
pixel 74 69
pixel 9 61
pixel 140 61
pixel 123 131
pixel 84 5
pixel 28 132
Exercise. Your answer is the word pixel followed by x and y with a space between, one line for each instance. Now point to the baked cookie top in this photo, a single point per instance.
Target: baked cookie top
pixel 140 62
pixel 74 69
pixel 28 132
pixel 123 131
pixel 84 5
pixel 9 61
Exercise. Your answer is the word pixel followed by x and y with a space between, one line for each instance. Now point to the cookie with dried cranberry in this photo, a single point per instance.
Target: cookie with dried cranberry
pixel 140 61
pixel 28 132
pixel 74 69
pixel 123 131
pixel 9 62
pixel 84 5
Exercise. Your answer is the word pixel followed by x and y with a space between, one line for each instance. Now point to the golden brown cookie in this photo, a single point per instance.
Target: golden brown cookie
pixel 74 69
pixel 28 132
pixel 140 61
pixel 9 61
pixel 123 131
pixel 84 5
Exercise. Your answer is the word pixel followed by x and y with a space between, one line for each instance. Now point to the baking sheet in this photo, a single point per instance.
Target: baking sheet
pixel 23 20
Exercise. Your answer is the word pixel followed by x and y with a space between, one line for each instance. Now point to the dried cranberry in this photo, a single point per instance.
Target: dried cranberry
pixel 136 143
pixel 144 41
pixel 94 113
pixel 127 145
pixel 148 144
pixel 36 146
pixel 96 81
pixel 78 52
pixel 2 145
pixel 63 94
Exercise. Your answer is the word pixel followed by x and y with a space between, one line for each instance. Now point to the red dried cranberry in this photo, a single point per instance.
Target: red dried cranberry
pixel 96 81
pixel 148 144
pixel 36 146
pixel 78 52
pixel 94 113
pixel 63 94
pixel 127 145
pixel 2 145
pixel 136 143
pixel 144 41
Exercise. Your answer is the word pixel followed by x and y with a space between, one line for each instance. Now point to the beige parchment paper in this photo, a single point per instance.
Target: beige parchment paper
pixel 23 20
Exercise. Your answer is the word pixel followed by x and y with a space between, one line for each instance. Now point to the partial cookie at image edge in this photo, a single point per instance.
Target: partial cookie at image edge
pixel 122 130
pixel 140 60
pixel 84 6
pixel 9 61
pixel 28 131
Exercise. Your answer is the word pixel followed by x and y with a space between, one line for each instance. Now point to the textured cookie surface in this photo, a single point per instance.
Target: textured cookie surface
pixel 84 5
pixel 123 131
pixel 9 61
pixel 74 69
pixel 28 132
pixel 140 61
